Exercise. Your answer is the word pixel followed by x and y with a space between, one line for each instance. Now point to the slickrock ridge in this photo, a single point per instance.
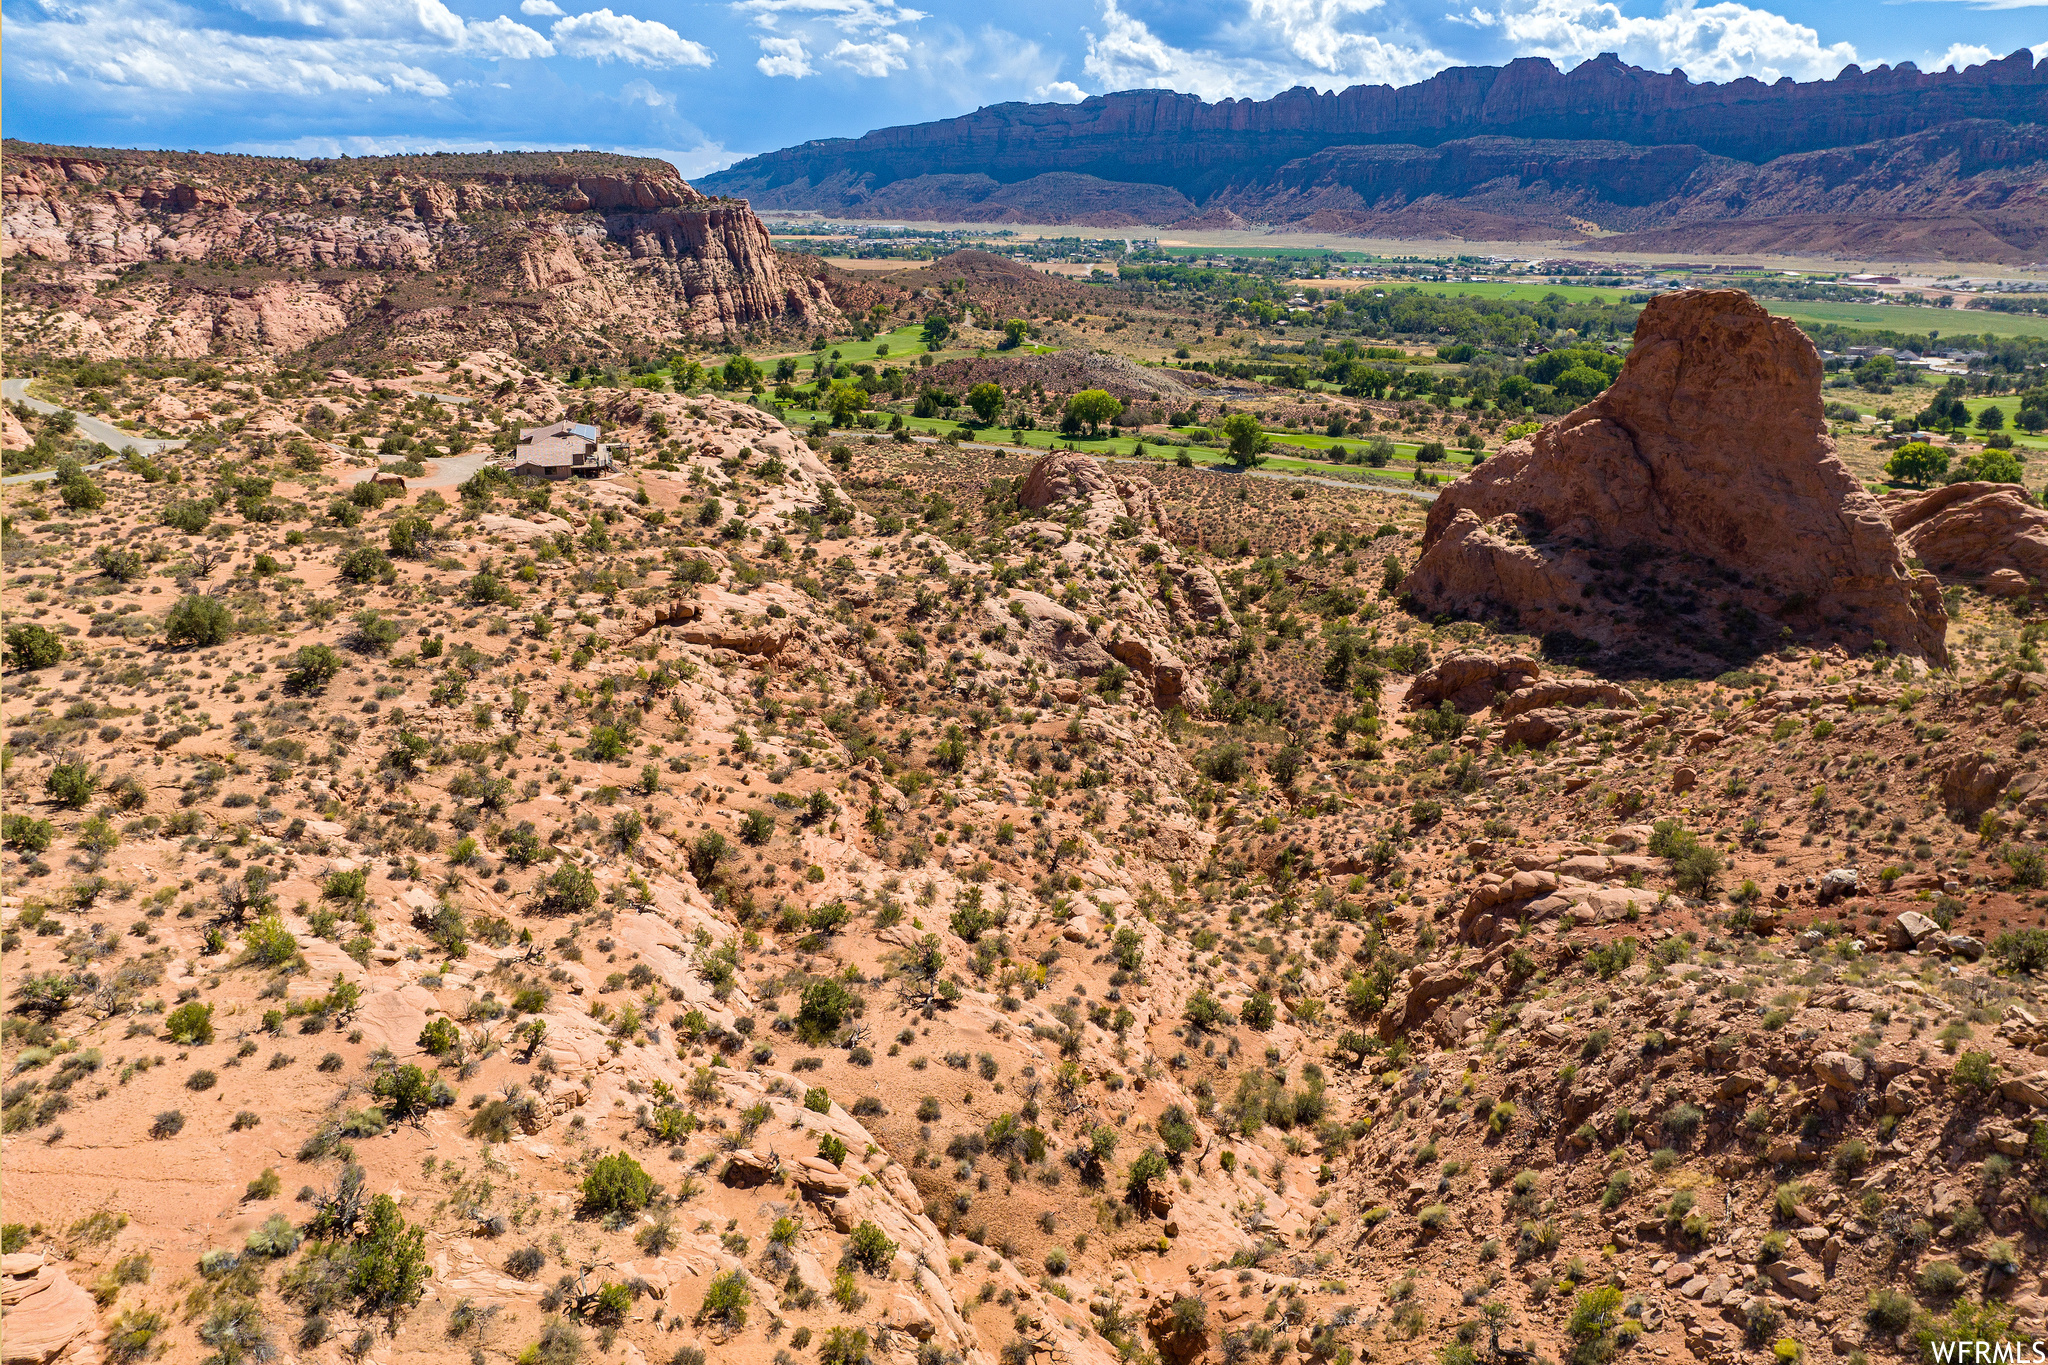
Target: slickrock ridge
pixel 1698 501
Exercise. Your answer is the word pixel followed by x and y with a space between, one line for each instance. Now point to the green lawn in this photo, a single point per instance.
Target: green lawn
pixel 1950 322
pixel 903 343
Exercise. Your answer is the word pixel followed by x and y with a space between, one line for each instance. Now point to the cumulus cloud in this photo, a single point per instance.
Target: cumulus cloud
pixel 1961 56
pixel 544 9
pixel 603 36
pixel 877 57
pixel 1059 92
pixel 1715 42
pixel 426 22
pixel 854 35
pixel 1275 45
pixel 784 57
pixel 120 44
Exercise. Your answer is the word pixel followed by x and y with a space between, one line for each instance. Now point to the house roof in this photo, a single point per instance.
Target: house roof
pixel 579 430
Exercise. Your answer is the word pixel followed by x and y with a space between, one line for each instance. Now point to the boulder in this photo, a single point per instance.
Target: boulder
pixel 1567 692
pixel 1795 1279
pixel 1537 728
pixel 1704 469
pixel 1972 783
pixel 1469 681
pixel 1180 1333
pixel 907 1314
pixel 1987 532
pixel 1839 1070
pixel 746 1168
pixel 1837 883
pixel 2030 1090
pixel 1909 929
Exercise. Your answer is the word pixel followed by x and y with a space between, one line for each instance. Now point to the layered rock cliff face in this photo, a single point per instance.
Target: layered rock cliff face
pixel 1512 151
pixel 1694 510
pixel 191 254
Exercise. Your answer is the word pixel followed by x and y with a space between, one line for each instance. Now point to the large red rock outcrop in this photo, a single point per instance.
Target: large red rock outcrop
pixel 1988 533
pixel 546 242
pixel 1694 512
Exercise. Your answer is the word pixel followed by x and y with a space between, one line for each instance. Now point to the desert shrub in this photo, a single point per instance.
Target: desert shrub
pixel 617 1184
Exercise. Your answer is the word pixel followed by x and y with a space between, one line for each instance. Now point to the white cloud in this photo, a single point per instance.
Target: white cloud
pixel 885 53
pixel 1962 56
pixel 502 37
pixel 641 91
pixel 784 57
pixel 846 15
pixel 1059 92
pixel 543 9
pixel 1715 42
pixel 426 22
pixel 1276 45
pixel 119 43
pixel 604 37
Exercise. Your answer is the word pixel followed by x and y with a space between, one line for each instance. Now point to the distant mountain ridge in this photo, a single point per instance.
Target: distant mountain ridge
pixel 1522 150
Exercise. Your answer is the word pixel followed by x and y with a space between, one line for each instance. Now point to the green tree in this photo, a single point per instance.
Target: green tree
pixel 986 400
pixel 30 646
pixel 617 1184
pixel 569 891
pixel 80 493
pixel 1014 332
pixel 1918 463
pixel 825 1006
pixel 1248 444
pixel 725 1300
pixel 1992 418
pixel 1091 408
pixel 312 668
pixel 870 1248
pixel 1994 466
pixel 406 1091
pixel 191 1024
pixel 740 372
pixel 937 328
pixel 71 785
pixel 191 517
pixel 845 402
pixel 391 1262
pixel 199 621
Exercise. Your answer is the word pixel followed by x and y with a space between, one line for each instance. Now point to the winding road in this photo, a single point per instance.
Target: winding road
pixel 92 428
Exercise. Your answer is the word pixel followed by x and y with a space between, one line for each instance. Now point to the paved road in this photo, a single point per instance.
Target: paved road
pixel 92 428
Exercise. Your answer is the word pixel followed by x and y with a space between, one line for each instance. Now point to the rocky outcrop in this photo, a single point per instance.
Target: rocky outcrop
pixel 1695 511
pixel 1990 534
pixel 1470 681
pixel 538 238
pixel 45 1311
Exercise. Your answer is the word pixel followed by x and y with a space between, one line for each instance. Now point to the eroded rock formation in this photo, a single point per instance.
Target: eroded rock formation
pixel 321 247
pixel 1695 510
pixel 1986 533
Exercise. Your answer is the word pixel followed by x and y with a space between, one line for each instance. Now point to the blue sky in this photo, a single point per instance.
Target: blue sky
pixel 705 83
